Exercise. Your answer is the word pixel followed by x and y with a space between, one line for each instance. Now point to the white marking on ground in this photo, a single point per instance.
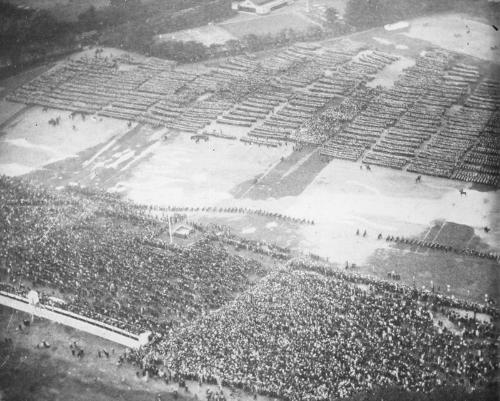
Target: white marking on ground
pixel 297 165
pixel 101 151
pixel 248 230
pixel 439 231
pixel 122 157
pixel 144 153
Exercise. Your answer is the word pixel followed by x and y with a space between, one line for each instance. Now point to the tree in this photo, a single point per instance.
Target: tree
pixel 233 46
pixel 88 19
pixel 331 15
pixel 363 13
pixel 251 42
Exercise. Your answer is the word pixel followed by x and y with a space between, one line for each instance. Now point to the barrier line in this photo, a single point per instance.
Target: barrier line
pixel 70 319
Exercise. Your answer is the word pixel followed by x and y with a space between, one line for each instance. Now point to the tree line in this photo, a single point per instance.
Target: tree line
pixel 30 35
pixel 27 35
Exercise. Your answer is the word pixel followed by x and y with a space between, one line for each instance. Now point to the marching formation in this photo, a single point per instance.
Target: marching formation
pixel 301 94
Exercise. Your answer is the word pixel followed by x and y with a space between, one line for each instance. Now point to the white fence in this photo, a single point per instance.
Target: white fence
pixel 74 320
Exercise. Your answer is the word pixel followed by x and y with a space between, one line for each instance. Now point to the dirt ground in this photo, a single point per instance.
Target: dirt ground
pixel 30 142
pixel 53 374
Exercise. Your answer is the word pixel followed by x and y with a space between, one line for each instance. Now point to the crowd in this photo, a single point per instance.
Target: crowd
pixel 310 333
pixel 108 263
pixel 303 332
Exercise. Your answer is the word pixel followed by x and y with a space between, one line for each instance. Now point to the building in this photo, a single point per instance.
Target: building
pixel 261 6
pixel 183 231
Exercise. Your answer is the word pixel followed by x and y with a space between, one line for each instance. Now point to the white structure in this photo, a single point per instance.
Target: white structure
pixel 183 231
pixel 71 319
pixel 397 26
pixel 144 338
pixel 33 298
pixel 261 6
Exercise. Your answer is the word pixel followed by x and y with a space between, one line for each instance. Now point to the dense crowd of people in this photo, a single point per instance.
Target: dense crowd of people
pixel 305 331
pixel 108 263
pixel 305 335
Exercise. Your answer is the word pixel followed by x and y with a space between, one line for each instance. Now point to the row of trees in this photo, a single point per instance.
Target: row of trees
pixel 29 35
pixel 191 51
pixel 359 15
pixel 129 24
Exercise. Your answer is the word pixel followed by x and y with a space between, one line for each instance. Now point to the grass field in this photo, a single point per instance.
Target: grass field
pixel 208 34
pixel 288 178
pixel 268 24
pixel 468 277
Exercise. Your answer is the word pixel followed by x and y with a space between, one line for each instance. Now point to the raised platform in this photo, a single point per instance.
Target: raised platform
pixel 71 319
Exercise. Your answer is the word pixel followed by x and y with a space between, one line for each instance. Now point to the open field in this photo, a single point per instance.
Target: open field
pixel 246 24
pixel 181 172
pixel 468 277
pixel 458 33
pixel 208 35
pixel 29 142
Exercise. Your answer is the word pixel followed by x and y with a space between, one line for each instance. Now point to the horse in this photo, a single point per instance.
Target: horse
pixel 418 179
pixel 462 192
